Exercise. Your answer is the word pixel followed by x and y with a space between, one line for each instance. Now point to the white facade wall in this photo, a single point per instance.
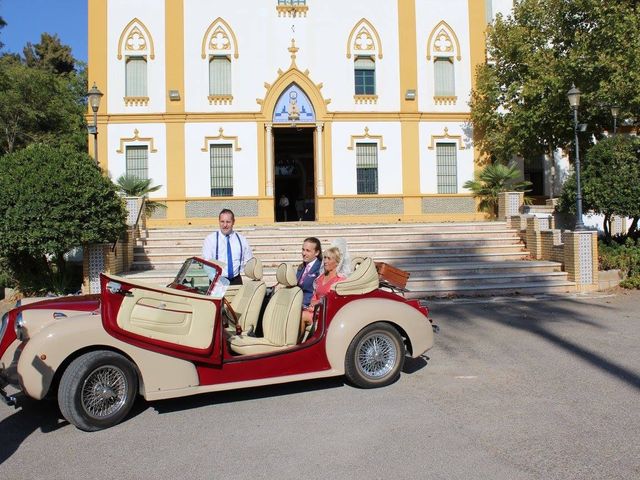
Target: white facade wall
pixel 119 136
pixel 429 14
pixel 502 6
pixel 242 135
pixel 344 160
pixel 151 14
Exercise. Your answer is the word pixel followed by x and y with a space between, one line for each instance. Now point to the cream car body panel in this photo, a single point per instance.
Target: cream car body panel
pixel 356 315
pixel 35 320
pixel 43 355
pixel 9 362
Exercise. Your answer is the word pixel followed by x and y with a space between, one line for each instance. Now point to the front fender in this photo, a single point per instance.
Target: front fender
pixel 46 351
pixel 356 315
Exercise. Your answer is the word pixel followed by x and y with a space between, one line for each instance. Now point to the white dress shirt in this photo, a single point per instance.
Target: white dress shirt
pixel 215 248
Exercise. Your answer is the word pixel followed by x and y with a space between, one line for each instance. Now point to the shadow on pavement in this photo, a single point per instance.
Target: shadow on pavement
pixel 537 318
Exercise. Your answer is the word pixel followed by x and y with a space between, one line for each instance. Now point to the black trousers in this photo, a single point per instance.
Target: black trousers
pixel 236 280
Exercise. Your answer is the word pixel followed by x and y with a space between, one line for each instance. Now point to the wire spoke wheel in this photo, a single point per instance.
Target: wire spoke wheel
pixel 377 355
pixel 97 390
pixel 104 391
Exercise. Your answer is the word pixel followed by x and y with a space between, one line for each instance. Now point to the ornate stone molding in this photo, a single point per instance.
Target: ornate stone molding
pixel 446 136
pixel 364 40
pixel 376 138
pixel 136 38
pixel 136 138
pixel 443 42
pixel 220 136
pixel 214 39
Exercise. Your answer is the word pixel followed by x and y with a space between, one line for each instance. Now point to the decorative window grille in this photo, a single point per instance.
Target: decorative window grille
pixel 136 77
pixel 367 167
pixel 447 168
pixel 444 77
pixel 365 76
pixel 137 161
pixel 293 3
pixel 221 170
pixel 220 75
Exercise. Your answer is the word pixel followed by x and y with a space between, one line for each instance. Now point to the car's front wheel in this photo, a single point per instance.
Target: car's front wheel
pixel 375 356
pixel 97 390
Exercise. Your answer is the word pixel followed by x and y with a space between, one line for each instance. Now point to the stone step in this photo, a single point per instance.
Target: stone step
pixel 295 244
pixel 492 284
pixel 549 287
pixel 314 229
pixel 409 256
pixel 296 239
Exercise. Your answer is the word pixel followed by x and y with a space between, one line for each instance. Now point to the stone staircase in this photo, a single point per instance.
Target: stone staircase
pixel 444 259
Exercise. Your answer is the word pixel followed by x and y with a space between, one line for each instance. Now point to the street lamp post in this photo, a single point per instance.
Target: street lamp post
pixel 574 101
pixel 615 111
pixel 94 95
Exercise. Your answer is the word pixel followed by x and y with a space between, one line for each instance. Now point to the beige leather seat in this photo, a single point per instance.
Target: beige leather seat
pixel 363 279
pixel 248 301
pixel 281 320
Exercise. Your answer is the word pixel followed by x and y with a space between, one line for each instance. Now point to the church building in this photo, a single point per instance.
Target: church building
pixel 356 111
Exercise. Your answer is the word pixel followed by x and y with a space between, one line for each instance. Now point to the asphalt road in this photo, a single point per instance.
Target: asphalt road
pixel 527 388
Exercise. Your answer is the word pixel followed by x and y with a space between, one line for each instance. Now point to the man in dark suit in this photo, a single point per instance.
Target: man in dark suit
pixel 310 268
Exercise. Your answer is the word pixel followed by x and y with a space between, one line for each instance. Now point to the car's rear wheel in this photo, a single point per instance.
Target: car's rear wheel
pixel 97 390
pixel 375 356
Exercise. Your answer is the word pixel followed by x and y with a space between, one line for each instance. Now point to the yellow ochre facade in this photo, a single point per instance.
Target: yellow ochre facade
pixel 354 111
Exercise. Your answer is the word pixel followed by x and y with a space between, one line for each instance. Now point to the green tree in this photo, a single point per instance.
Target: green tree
pixel 610 182
pixel 132 186
pixel 50 54
pixel 519 105
pixel 3 24
pixel 39 106
pixel 51 200
pixel 492 180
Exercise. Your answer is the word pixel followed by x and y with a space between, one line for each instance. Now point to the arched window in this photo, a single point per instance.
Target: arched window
pixel 136 48
pixel 443 49
pixel 220 48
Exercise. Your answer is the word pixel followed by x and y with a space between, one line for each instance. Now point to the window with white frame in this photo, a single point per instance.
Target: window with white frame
pixel 444 77
pixel 367 167
pixel 137 161
pixel 293 3
pixel 489 10
pixel 136 77
pixel 447 167
pixel 220 75
pixel 365 76
pixel 221 170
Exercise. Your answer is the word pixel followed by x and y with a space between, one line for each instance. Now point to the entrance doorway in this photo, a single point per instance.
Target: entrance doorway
pixel 294 174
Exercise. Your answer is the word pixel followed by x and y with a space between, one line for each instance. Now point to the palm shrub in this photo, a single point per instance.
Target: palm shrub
pixel 492 180
pixel 133 186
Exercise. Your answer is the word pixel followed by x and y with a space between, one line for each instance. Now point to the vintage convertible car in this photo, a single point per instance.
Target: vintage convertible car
pixel 97 352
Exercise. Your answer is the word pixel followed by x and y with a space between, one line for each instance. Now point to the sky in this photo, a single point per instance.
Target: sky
pixel 27 19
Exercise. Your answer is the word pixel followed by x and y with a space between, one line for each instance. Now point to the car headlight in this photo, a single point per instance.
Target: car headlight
pixel 3 325
pixel 18 326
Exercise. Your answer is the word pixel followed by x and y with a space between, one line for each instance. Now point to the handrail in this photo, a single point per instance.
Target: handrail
pixel 135 225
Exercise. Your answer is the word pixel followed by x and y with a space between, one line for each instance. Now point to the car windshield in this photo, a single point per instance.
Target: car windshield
pixel 202 276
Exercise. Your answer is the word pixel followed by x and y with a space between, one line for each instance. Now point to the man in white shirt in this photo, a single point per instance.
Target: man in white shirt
pixel 229 247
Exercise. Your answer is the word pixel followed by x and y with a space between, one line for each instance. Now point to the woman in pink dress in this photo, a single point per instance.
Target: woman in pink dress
pixel 322 285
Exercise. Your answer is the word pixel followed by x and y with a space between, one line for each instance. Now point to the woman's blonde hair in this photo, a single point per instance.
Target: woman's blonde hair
pixel 335 253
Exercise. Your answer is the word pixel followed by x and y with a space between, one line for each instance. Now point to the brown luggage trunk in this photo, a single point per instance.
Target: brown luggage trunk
pixel 392 275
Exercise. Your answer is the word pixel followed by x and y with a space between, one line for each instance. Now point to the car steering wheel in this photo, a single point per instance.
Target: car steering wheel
pixel 189 283
pixel 230 314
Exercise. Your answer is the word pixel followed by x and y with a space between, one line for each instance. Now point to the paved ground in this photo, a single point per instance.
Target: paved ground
pixel 526 388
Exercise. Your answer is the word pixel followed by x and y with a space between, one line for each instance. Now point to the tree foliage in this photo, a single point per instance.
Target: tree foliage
pixel 610 182
pixel 492 180
pixel 519 105
pixel 50 54
pixel 39 106
pixel 51 200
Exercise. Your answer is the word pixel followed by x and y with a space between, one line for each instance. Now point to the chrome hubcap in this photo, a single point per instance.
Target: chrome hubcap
pixel 104 391
pixel 377 355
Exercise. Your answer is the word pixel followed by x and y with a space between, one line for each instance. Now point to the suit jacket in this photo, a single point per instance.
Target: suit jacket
pixel 307 284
